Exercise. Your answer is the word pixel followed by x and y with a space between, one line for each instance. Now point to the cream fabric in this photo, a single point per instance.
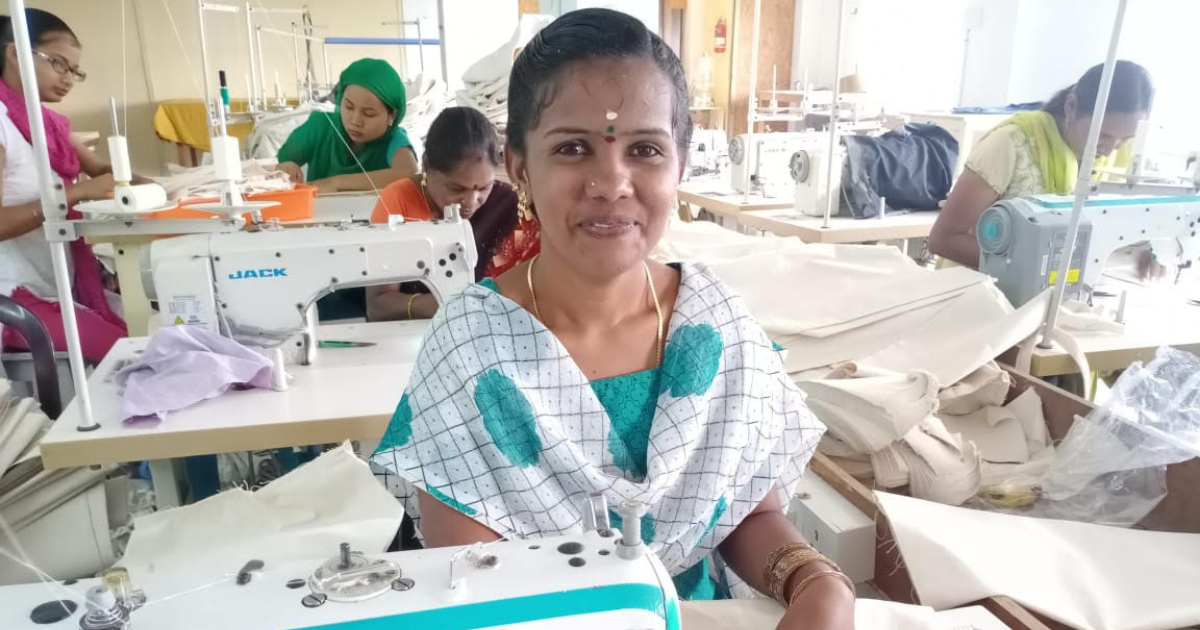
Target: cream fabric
pixel 829 288
pixel 942 466
pixel 957 341
pixel 995 431
pixel 764 614
pixel 870 413
pixel 987 386
pixel 1087 576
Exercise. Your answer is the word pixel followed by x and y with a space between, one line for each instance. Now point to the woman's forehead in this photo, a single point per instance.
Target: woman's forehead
pixel 591 92
pixel 361 96
pixel 60 44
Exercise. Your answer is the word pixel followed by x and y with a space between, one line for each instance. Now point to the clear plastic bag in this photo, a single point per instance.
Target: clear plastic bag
pixel 1111 467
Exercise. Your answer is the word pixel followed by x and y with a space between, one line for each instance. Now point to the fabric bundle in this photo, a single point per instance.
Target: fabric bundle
pixel 183 365
pixel 258 176
pixel 485 83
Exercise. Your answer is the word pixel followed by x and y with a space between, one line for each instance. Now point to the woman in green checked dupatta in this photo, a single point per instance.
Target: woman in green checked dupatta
pixel 360 146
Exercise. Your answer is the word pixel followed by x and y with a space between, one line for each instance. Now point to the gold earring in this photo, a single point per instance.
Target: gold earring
pixel 523 205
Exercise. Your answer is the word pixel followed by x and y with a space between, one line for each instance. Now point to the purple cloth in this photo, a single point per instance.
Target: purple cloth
pixel 183 365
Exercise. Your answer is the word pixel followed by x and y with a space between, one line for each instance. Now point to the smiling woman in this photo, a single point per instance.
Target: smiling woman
pixel 360 146
pixel 591 370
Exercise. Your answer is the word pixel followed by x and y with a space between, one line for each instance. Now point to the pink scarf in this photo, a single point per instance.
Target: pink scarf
pixel 64 159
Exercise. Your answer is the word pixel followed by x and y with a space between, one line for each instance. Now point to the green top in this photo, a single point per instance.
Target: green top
pixel 321 142
pixel 630 401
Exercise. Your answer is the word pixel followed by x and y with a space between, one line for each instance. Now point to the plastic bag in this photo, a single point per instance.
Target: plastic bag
pixel 1111 467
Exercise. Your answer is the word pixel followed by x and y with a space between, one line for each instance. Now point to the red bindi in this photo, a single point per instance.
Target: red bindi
pixel 609 139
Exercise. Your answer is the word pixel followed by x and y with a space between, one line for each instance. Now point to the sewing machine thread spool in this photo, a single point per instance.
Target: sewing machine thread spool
pixel 103 611
pixel 630 546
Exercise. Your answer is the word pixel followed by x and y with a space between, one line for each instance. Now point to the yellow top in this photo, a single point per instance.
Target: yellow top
pixel 182 121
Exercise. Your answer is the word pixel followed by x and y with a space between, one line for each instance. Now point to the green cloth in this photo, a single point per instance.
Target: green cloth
pixel 1054 158
pixel 321 142
pixel 630 401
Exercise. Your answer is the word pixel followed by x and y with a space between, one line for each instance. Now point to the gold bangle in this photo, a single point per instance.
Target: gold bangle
pixel 785 561
pixel 411 299
pixel 816 576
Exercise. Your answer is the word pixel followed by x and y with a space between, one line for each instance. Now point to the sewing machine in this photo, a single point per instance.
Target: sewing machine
pixel 761 161
pixel 595 580
pixel 811 183
pixel 260 287
pixel 1021 240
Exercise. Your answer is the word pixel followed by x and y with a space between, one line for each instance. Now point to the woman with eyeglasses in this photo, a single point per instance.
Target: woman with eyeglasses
pixel 26 272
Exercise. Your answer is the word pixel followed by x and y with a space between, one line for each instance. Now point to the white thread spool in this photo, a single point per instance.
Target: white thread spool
pixel 140 198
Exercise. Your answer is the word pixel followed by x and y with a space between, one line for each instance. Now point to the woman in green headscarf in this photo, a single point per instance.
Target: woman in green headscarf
pixel 361 142
pixel 1037 152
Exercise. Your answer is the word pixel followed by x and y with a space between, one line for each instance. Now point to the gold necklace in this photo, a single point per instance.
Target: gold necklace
pixel 658 341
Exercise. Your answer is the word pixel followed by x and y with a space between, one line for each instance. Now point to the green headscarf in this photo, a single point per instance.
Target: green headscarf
pixel 321 141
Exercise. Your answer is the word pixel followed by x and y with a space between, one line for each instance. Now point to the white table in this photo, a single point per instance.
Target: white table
pixel 892 227
pixel 1152 319
pixel 348 394
pixel 716 196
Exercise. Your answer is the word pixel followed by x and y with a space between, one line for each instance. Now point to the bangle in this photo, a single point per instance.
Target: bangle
pixel 816 576
pixel 785 561
pixel 411 299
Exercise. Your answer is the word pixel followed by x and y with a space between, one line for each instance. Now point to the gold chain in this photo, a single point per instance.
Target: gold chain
pixel 658 341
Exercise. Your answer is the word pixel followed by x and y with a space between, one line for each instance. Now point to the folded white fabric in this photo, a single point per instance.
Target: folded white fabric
pixel 955 342
pixel 1089 577
pixel 987 386
pixel 1077 316
pixel 942 467
pixel 831 288
pixel 995 431
pixel 890 467
pixel 1027 409
pixel 870 413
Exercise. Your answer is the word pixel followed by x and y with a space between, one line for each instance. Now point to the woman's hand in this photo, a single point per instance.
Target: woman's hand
pixel 99 187
pixel 825 604
pixel 293 170
pixel 327 185
pixel 424 306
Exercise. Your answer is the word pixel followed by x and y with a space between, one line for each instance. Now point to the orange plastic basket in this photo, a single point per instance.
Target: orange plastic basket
pixel 294 205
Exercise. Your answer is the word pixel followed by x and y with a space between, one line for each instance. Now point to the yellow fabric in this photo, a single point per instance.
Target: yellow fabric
pixel 182 121
pixel 1118 160
pixel 1054 158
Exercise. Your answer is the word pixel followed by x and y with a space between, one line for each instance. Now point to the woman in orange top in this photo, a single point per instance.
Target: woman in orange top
pixel 462 153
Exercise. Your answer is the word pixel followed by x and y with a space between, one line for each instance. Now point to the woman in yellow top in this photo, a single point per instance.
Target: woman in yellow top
pixel 1037 152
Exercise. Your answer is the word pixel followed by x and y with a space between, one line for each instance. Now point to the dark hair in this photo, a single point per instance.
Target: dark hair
pixel 457 133
pixel 1132 91
pixel 42 26
pixel 582 35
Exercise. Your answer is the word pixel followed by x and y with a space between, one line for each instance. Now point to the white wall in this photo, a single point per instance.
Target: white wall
pixel 472 29
pixel 992 28
pixel 910 51
pixel 1055 42
pixel 644 10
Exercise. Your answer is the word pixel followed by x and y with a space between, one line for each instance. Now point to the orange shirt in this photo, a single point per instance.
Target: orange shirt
pixel 401 197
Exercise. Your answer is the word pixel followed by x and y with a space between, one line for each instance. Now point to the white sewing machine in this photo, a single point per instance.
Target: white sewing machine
pixel 1021 240
pixel 260 287
pixel 812 186
pixel 761 161
pixel 595 580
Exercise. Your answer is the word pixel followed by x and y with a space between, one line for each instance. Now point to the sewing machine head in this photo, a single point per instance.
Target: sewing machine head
pixel 1021 240
pixel 582 580
pixel 260 287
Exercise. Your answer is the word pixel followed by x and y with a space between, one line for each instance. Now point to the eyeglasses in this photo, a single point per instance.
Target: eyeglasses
pixel 61 66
